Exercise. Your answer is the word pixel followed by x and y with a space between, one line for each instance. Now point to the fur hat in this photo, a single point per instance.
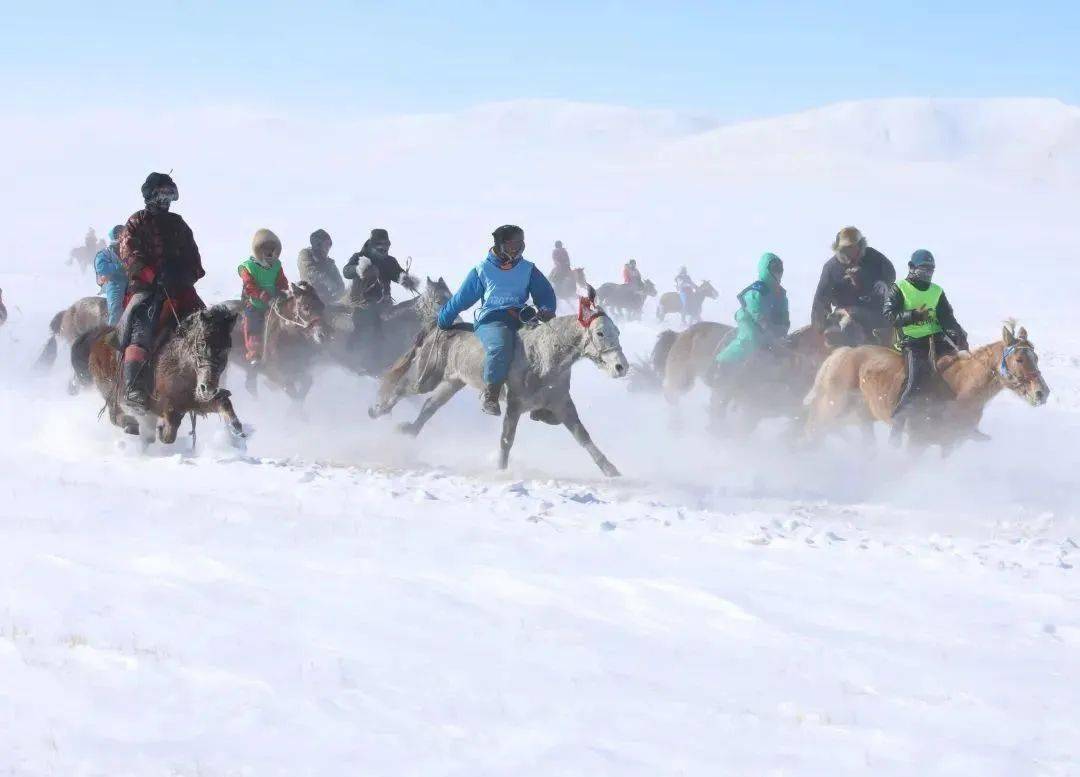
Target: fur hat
pixel 156 181
pixel 319 234
pixel 264 241
pixel 849 236
pixel 379 236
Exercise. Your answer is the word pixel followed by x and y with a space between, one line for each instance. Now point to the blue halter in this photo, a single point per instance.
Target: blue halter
pixel 1003 368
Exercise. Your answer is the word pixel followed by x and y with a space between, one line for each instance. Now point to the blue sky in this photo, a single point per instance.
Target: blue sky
pixel 728 59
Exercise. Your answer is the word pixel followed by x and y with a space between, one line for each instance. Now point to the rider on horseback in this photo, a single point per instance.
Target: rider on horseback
pixel 111 276
pixel 685 286
pixel 372 269
pixel 263 279
pixel 163 265
pixel 925 327
pixel 762 318
pixel 631 275
pixel 317 268
pixel 503 283
pixel 857 278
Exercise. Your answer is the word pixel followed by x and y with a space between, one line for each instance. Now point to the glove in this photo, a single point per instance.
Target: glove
pixel 881 289
pixel 545 315
pixel 919 315
pixel 409 282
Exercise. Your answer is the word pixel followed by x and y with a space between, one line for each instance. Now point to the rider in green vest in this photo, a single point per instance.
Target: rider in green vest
pixel 263 280
pixel 925 329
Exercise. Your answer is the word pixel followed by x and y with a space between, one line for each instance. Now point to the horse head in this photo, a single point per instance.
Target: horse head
pixel 649 288
pixel 205 338
pixel 842 328
pixel 1018 370
pixel 303 310
pixel 601 345
pixel 706 290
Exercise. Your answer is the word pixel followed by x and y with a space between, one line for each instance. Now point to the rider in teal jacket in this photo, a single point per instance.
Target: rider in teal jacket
pixel 762 318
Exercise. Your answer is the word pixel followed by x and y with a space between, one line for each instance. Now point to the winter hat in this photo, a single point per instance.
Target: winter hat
pixel 507 232
pixel 848 236
pixel 922 258
pixel 380 236
pixel 319 234
pixel 115 232
pixel 263 242
pixel 156 181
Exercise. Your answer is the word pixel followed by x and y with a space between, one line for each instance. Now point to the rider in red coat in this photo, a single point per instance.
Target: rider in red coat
pixel 162 262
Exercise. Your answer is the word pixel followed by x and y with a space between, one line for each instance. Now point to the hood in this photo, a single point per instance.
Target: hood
pixel 763 273
pixel 265 239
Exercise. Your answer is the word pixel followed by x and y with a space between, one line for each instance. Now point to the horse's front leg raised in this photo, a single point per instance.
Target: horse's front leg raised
pixel 572 422
pixel 509 431
pixel 439 397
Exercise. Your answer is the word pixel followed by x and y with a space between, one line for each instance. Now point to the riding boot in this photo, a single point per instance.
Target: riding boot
pixel 489 398
pixel 136 395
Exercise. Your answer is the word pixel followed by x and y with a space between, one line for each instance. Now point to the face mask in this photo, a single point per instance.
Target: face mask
pixel 924 273
pixel 512 250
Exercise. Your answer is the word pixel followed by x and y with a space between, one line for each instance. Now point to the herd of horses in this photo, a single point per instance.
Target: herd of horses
pixel 815 386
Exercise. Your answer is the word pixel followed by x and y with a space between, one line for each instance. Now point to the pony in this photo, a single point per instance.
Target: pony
pixel 863 384
pixel 81 316
pixel 187 372
pixel 671 302
pixel 624 299
pixel 441 363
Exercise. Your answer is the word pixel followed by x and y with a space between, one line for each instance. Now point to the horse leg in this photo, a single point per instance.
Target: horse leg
pixel 439 397
pixel 223 406
pixel 251 380
pixel 168 426
pixel 572 422
pixel 509 431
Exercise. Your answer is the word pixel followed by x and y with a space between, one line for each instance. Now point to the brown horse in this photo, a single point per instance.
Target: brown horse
pixel 294 328
pixel 81 316
pixel 863 385
pixel 671 302
pixel 187 370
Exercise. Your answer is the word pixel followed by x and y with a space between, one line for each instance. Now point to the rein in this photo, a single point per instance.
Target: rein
pixel 276 310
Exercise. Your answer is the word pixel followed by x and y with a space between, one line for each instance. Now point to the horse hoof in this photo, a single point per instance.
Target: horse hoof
pixel 407 429
pixel 611 472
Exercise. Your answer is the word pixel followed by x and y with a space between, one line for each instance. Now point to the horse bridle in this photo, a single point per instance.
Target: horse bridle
pixel 1006 376
pixel 276 310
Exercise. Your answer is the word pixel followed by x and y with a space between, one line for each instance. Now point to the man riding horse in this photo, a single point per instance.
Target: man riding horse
pixel 372 269
pixel 503 283
pixel 631 275
pixel 111 276
pixel 317 268
pixel 857 278
pixel 162 264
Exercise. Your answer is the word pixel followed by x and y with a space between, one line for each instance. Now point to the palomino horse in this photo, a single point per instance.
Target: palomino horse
pixel 625 299
pixel 81 316
pixel 442 363
pixel 671 302
pixel 863 385
pixel 187 371
pixel 294 326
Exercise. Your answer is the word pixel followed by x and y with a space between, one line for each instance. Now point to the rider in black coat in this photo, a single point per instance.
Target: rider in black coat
pixel 858 278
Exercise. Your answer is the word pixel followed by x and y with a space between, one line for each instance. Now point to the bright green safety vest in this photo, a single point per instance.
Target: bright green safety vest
pixel 914 299
pixel 265 278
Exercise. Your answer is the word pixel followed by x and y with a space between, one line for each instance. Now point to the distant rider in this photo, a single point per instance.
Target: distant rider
pixel 372 269
pixel 858 278
pixel 926 329
pixel 111 276
pixel 163 265
pixel 317 268
pixel 263 279
pixel 685 286
pixel 631 275
pixel 503 283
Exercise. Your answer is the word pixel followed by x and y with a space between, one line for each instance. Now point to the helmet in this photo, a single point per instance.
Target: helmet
pixel 921 258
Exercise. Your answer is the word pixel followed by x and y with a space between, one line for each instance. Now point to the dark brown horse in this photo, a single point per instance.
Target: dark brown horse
pixel 294 330
pixel 187 372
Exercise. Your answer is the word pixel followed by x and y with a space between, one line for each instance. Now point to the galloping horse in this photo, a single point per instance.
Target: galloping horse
pixel 442 363
pixel 81 316
pixel 625 299
pixel 671 302
pixel 187 371
pixel 293 327
pixel 568 285
pixel 863 384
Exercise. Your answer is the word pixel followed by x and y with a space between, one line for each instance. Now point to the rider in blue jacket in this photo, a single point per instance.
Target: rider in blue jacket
pixel 503 283
pixel 111 276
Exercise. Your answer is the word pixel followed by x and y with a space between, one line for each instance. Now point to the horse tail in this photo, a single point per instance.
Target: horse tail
pixel 662 350
pixel 48 353
pixel 80 354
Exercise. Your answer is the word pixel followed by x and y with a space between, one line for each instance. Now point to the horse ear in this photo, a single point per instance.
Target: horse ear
pixel 1007 335
pixel 1021 334
pixel 294 288
pixel 591 292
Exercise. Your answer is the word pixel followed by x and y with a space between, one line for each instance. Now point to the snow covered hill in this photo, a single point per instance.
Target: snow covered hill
pixel 337 599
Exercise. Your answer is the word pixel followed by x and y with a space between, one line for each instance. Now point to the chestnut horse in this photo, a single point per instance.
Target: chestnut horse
pixel 863 385
pixel 186 374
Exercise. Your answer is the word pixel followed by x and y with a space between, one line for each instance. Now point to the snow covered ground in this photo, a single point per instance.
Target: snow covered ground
pixel 338 600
